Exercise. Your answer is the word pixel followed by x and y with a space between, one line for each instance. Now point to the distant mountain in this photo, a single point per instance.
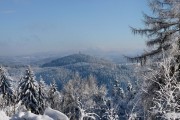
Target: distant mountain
pixel 63 69
pixel 74 59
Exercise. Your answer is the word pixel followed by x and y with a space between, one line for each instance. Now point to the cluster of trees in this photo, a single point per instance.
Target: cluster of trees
pixel 28 95
pixel 161 88
pixel 81 98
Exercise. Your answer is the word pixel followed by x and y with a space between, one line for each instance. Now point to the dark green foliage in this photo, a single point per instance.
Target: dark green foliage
pixel 41 97
pixel 28 92
pixel 52 94
pixel 5 87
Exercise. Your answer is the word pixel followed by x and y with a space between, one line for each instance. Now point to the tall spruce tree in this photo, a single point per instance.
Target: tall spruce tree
pixel 5 87
pixel 41 96
pixel 163 33
pixel 28 92
pixel 160 29
pixel 52 94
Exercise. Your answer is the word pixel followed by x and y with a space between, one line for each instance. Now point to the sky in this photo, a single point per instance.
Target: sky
pixel 35 26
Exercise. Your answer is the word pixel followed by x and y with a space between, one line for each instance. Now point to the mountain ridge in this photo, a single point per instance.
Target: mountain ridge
pixel 75 59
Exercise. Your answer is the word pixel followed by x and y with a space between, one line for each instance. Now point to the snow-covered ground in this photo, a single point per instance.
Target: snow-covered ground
pixel 49 114
pixel 56 115
pixel 3 116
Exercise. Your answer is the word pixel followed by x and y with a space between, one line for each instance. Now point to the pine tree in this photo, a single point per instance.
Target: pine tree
pixel 41 96
pixel 163 33
pixel 28 92
pixel 5 87
pixel 160 29
pixel 52 94
pixel 117 92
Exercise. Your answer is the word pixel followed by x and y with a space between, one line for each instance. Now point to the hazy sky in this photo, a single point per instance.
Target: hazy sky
pixel 31 26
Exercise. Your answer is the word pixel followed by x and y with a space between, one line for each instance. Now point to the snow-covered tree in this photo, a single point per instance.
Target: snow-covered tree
pixel 130 87
pixel 160 28
pixel 72 94
pixel 83 98
pixel 166 98
pixel 41 95
pixel 5 87
pixel 163 33
pixel 111 112
pixel 122 98
pixel 117 91
pixel 53 95
pixel 28 92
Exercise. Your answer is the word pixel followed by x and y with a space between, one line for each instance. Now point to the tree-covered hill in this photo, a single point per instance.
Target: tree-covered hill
pixel 74 59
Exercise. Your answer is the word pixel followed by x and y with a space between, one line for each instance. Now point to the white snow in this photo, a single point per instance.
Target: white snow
pixel 172 116
pixel 56 115
pixel 3 116
pixel 29 116
pixel 49 114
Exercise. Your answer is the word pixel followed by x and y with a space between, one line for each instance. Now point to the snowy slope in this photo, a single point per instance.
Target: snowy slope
pixel 49 114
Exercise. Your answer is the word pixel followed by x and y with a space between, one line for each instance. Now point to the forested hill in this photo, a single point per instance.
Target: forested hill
pixel 86 77
pixel 74 59
pixel 63 69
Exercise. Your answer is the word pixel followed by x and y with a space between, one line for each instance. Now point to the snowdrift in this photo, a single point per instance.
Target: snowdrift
pixel 3 116
pixel 49 114
pixel 56 115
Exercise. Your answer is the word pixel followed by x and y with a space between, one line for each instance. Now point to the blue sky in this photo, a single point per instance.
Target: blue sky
pixel 33 26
